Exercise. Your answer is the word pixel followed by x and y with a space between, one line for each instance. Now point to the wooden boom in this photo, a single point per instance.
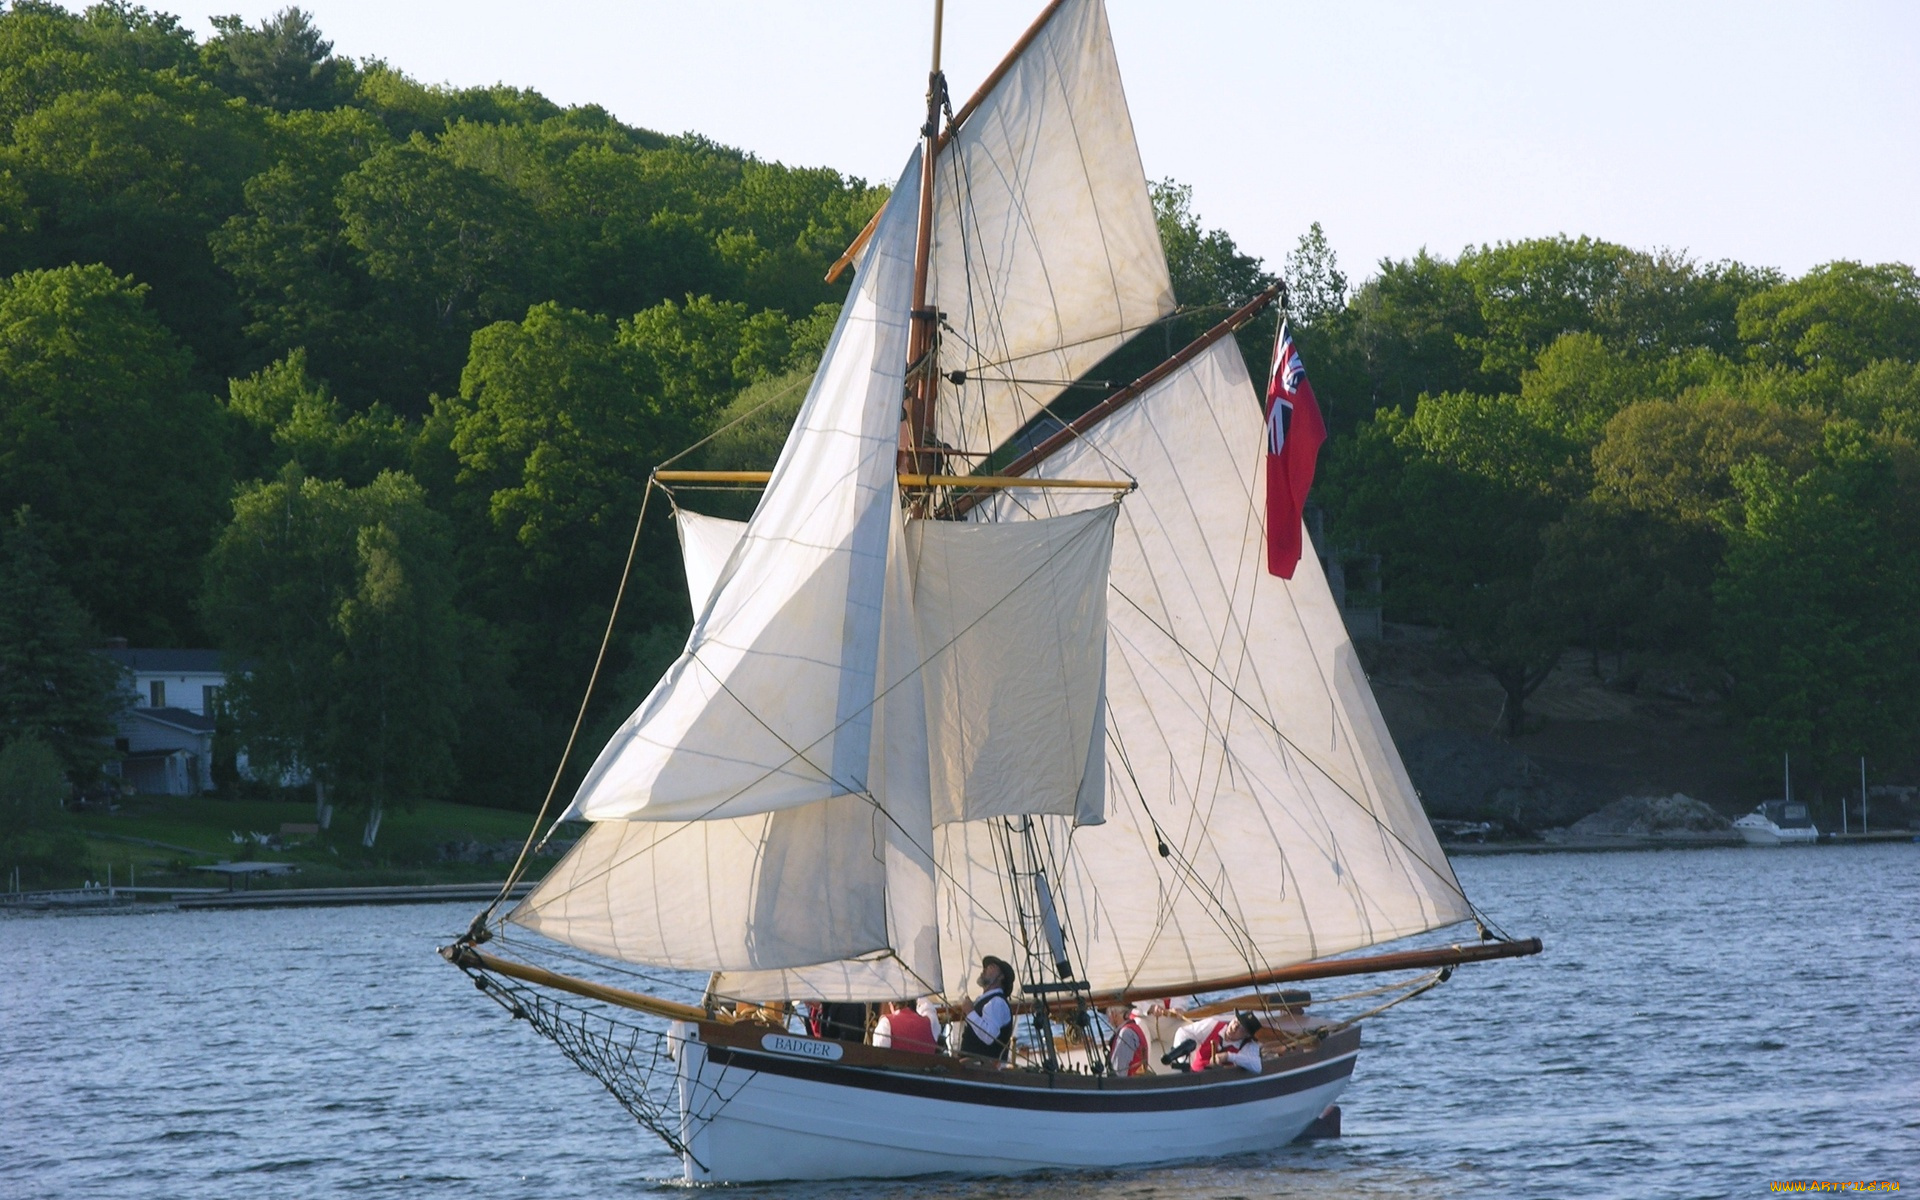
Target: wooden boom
pixel 912 480
pixel 1120 399
pixel 1402 960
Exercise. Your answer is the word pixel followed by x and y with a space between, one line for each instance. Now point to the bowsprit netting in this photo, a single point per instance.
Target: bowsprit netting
pixel 632 1061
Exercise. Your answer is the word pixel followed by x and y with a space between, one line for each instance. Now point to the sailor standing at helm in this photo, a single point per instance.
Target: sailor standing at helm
pixel 989 1028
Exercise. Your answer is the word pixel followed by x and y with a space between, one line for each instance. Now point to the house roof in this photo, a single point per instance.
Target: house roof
pixel 179 718
pixel 166 662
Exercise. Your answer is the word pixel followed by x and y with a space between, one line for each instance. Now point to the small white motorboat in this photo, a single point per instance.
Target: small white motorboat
pixel 1778 823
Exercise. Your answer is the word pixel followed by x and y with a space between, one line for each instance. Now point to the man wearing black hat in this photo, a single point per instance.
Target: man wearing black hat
pixel 1217 1042
pixel 989 1028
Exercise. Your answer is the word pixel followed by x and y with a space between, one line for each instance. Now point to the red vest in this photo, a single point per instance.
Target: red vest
pixel 911 1031
pixel 1203 1056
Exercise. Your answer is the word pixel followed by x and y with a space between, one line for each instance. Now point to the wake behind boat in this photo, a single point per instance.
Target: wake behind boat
pixel 1076 707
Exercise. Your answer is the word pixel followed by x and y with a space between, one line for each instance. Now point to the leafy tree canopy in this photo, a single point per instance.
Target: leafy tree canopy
pixel 335 605
pixel 283 62
pixel 1841 316
pixel 123 462
pixel 1815 603
pixel 54 690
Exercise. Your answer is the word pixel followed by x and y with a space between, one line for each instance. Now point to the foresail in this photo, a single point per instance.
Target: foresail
pixel 771 704
pixel 1240 731
pixel 1045 253
pixel 829 900
pixel 797 886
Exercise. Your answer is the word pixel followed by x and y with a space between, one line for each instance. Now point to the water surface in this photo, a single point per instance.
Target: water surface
pixel 1703 1022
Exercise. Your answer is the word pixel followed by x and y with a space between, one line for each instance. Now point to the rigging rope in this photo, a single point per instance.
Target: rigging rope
pixel 633 1062
pixel 478 930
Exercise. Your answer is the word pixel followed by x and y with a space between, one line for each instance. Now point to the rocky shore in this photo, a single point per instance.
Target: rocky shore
pixel 1627 756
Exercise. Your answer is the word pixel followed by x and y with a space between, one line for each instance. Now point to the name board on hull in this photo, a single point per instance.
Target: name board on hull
pixel 798 1047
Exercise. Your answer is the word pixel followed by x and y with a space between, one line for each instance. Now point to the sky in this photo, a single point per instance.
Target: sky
pixel 1781 135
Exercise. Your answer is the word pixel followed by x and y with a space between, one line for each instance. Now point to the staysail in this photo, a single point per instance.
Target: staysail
pixel 767 807
pixel 1045 254
pixel 1013 620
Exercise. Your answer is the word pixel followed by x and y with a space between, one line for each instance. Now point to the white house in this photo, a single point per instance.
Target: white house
pixel 165 735
pixel 184 679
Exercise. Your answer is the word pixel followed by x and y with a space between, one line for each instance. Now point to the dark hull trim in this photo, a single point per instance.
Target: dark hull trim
pixel 1081 1095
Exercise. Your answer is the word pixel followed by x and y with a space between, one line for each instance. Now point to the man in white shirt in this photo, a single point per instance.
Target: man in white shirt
pixel 988 1032
pixel 1217 1042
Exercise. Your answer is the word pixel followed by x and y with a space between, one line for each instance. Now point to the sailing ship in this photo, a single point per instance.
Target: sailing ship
pixel 975 680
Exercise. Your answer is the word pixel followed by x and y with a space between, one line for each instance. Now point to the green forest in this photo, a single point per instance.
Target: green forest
pixel 360 380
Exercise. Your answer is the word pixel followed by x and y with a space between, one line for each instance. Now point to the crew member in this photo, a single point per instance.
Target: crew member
pixel 1128 1054
pixel 1217 1042
pixel 902 1028
pixel 838 1021
pixel 989 1028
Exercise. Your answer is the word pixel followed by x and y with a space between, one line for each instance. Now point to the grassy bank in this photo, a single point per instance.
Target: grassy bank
pixel 159 840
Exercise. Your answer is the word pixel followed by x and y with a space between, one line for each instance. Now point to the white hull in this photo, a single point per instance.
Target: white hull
pixel 754 1117
pixel 1758 831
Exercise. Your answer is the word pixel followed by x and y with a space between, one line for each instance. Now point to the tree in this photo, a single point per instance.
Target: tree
pixel 1454 499
pixel 137 178
pixel 45 51
pixel 292 417
pixel 1841 316
pixel 1402 338
pixel 299 283
pixel 32 836
pixel 453 248
pixel 32 785
pixel 1624 579
pixel 1815 605
pixel 339 603
pixel 1647 305
pixel 1316 288
pixel 53 687
pixel 1675 458
pixel 1582 383
pixel 557 420
pixel 283 62
pixel 122 461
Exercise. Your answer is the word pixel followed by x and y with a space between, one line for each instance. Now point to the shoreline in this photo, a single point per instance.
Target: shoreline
pixel 150 899
pixel 1674 841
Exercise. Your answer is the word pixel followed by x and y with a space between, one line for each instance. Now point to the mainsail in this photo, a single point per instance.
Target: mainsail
pixel 822 798
pixel 1241 733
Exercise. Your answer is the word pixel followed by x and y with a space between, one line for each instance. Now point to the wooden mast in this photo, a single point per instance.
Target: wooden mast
pixel 953 123
pixel 922 381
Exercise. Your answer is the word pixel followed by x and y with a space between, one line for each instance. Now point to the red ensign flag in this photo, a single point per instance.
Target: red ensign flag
pixel 1294 434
